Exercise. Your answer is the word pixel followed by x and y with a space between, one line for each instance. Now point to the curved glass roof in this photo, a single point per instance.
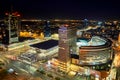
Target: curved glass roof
pixel 94 41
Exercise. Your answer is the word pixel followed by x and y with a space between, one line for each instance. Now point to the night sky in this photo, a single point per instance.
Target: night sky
pixel 63 9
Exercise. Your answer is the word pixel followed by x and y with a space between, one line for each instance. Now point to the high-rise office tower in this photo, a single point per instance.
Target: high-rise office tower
pixel 47 29
pixel 11 31
pixel 67 46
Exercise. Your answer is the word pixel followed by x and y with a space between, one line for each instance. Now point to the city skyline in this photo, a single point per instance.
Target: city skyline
pixel 63 9
pixel 59 49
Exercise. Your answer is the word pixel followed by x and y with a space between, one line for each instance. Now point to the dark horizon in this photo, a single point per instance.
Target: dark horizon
pixel 63 9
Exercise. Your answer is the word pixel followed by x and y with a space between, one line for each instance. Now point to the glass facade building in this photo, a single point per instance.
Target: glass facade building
pixel 67 46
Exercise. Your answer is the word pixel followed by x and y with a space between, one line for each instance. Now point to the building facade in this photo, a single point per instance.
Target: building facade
pixel 96 53
pixel 67 46
pixel 11 30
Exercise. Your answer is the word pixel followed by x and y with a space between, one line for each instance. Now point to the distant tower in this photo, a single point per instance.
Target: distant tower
pixel 86 23
pixel 11 32
pixel 67 45
pixel 47 29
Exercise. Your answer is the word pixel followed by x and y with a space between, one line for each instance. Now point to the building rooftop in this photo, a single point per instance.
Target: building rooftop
pixel 94 41
pixel 46 44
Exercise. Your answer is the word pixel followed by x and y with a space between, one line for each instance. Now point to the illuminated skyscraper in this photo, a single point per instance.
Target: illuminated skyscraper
pixel 67 46
pixel 47 29
pixel 11 31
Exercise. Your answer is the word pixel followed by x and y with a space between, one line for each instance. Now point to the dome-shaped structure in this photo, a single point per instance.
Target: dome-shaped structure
pixel 96 50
